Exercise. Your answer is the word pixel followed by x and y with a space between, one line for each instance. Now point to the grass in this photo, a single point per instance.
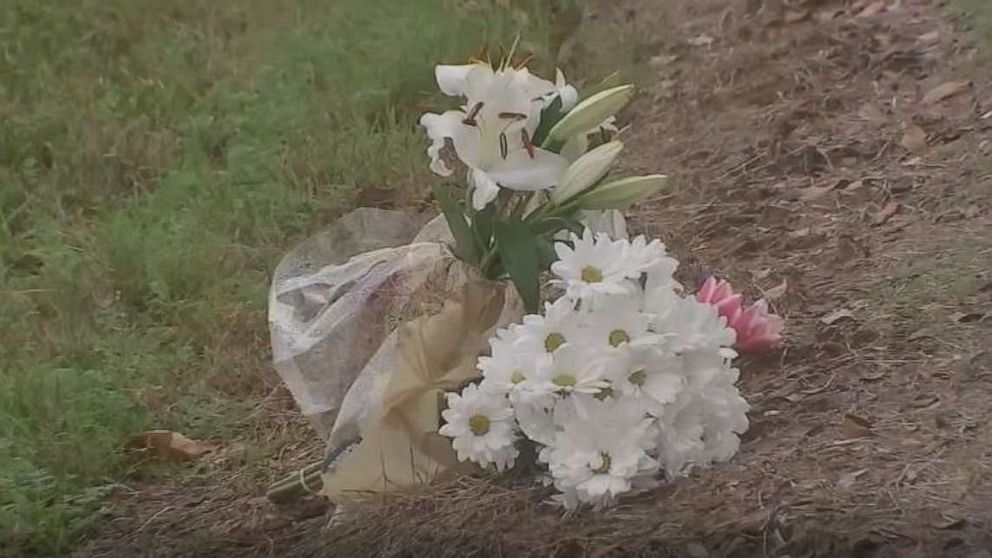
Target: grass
pixel 155 161
pixel 975 16
pixel 925 290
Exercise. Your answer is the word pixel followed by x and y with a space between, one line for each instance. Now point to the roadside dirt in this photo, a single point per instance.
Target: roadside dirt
pixel 831 156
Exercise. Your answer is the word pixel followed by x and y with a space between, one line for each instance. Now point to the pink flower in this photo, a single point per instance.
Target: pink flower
pixel 757 329
pixel 720 294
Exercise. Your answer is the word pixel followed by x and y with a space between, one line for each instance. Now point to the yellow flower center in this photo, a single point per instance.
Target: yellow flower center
pixel 553 341
pixel 517 377
pixel 604 464
pixel 591 274
pixel 637 377
pixel 479 425
pixel 564 380
pixel 618 336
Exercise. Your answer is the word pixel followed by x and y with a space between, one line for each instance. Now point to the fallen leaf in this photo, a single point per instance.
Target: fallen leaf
pixel 987 115
pixel 950 523
pixel 920 334
pixel 828 14
pixel 966 317
pixel 946 91
pixel 887 212
pixel 931 37
pixel 877 375
pixel 869 111
pixel 777 291
pixel 820 389
pixel 663 60
pixel 170 445
pixel 763 273
pixel 836 316
pixel 846 480
pixel 856 185
pixel 872 9
pixel 701 40
pixel 855 427
pixel 915 139
pixel 815 192
pixel 924 400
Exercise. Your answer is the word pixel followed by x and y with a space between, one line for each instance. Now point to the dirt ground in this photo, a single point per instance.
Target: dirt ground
pixel 831 156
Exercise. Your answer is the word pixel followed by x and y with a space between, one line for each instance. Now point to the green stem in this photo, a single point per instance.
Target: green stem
pixel 488 260
pixel 295 486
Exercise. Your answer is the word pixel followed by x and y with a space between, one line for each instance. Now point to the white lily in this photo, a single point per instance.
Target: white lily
pixel 590 113
pixel 622 193
pixel 491 133
pixel 586 171
pixel 579 144
pixel 567 93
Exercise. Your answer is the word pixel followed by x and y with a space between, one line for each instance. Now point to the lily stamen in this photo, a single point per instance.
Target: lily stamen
pixel 469 119
pixel 528 145
pixel 504 146
pixel 513 116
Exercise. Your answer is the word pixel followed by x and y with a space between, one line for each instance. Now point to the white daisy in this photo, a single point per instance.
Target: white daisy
pixel 511 363
pixel 598 457
pixel 536 421
pixel 649 373
pixel 652 255
pixel 686 323
pixel 615 321
pixel 481 424
pixel 574 369
pixel 546 334
pixel 594 265
pixel 703 424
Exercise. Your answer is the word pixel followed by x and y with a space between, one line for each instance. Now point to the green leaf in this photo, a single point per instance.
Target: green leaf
pixel 549 117
pixel 551 225
pixel 482 227
pixel 546 253
pixel 518 250
pixel 465 247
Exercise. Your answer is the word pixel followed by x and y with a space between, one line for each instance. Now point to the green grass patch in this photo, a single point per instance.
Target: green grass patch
pixel 976 17
pixel 921 295
pixel 155 161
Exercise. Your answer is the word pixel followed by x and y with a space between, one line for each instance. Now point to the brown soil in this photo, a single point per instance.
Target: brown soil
pixel 827 155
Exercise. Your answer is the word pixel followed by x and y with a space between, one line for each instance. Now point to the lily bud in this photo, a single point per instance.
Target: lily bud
pixel 623 193
pixel 589 113
pixel 586 171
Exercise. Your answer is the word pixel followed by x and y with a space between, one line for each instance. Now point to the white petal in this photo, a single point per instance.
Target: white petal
pixel 486 190
pixel 519 172
pixel 439 127
pixel 568 94
pixel 452 79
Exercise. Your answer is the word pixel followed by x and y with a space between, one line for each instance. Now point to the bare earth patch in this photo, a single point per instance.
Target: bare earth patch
pixel 831 156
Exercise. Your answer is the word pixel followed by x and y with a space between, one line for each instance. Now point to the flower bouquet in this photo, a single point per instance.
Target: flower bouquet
pixel 620 378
